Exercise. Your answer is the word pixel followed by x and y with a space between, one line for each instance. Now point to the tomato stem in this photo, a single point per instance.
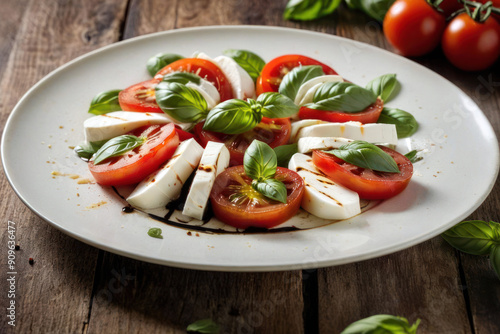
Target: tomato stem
pixel 480 12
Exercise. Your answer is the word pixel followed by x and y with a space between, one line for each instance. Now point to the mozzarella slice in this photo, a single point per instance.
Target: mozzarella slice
pixel 372 133
pixel 208 91
pixel 323 197
pixel 308 89
pixel 117 123
pixel 307 144
pixel 299 125
pixel 165 184
pixel 214 160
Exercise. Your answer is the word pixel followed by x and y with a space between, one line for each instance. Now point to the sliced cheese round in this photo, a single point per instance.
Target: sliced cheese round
pixel 308 144
pixel 208 91
pixel 299 125
pixel 308 89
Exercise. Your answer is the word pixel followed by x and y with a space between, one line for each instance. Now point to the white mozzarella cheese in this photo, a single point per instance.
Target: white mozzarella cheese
pixel 372 133
pixel 166 183
pixel 208 91
pixel 307 144
pixel 323 197
pixel 214 160
pixel 299 125
pixel 243 85
pixel 308 89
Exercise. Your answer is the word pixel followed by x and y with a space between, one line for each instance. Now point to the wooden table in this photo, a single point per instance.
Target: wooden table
pixel 76 288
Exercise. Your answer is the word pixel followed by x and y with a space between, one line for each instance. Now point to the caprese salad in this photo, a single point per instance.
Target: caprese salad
pixel 254 141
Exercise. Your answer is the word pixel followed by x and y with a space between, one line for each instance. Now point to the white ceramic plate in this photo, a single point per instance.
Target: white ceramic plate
pixel 460 163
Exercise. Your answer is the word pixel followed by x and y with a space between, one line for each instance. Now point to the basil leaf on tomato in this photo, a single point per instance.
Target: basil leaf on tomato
pixel 117 146
pixel 292 81
pixel 204 326
pixel 275 105
pixel 305 10
pixel 385 86
pixel 182 103
pixel 249 61
pixel 406 124
pixel 260 161
pixel 365 155
pixel 87 150
pixel 233 117
pixel 374 8
pixel 155 232
pixel 342 96
pixel 159 61
pixel 105 102
pixel 474 236
pixel 284 154
pixel 382 323
pixel 182 78
pixel 271 188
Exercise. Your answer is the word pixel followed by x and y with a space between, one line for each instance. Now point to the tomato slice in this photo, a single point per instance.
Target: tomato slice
pixel 367 183
pixel 135 165
pixel 183 135
pixel 274 71
pixel 236 203
pixel 272 131
pixel 140 97
pixel 203 68
pixel 369 115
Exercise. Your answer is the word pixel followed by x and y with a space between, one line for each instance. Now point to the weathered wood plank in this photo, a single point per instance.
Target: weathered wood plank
pixel 53 295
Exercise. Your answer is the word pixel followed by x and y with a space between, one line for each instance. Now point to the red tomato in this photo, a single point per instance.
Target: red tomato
pixel 135 165
pixel 367 183
pixel 140 97
pixel 272 131
pixel 203 68
pixel 369 115
pixel 274 71
pixel 470 45
pixel 183 135
pixel 236 203
pixel 413 27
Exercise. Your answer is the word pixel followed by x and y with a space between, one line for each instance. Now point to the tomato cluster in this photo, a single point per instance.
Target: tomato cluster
pixel 470 39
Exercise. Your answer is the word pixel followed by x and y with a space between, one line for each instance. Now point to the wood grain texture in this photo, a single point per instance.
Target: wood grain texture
pixel 54 294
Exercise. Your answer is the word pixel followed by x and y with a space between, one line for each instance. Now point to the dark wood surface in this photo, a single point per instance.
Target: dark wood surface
pixel 75 288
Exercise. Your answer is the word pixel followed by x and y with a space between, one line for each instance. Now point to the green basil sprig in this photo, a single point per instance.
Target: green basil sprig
pixel 155 232
pixel 238 116
pixel 305 10
pixel 182 78
pixel 477 237
pixel 249 61
pixel 117 146
pixel 342 96
pixel 159 61
pixel 105 102
pixel 366 155
pixel 413 157
pixel 385 86
pixel 382 323
pixel 87 150
pixel 292 81
pixel 204 326
pixel 284 153
pixel 260 163
pixel 406 124
pixel 374 8
pixel 182 103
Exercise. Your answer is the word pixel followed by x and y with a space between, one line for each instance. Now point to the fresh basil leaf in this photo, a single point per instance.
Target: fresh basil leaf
pixel 374 8
pixel 365 155
pixel 305 10
pixel 284 154
pixel 87 150
pixel 249 61
pixel 385 86
pixel 233 116
pixel 412 156
pixel 382 324
pixel 275 105
pixel 182 103
pixel 406 124
pixel 271 188
pixel 155 232
pixel 159 61
pixel 117 146
pixel 182 78
pixel 342 96
pixel 474 236
pixel 495 259
pixel 292 81
pixel 260 161
pixel 204 326
pixel 105 102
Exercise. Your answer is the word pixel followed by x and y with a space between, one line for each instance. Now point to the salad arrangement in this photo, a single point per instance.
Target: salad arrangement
pixel 250 141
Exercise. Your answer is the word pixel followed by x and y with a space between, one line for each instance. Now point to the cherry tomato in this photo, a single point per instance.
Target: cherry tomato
pixel 133 166
pixel 203 68
pixel 272 131
pixel 369 115
pixel 413 27
pixel 470 45
pixel 140 97
pixel 274 71
pixel 236 203
pixel 367 183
